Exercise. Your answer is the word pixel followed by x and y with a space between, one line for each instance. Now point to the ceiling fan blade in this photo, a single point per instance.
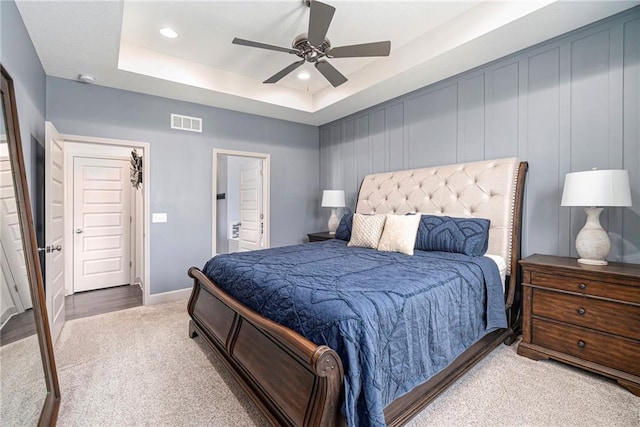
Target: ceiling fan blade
pixel 280 74
pixel 360 50
pixel 334 76
pixel 319 21
pixel 263 46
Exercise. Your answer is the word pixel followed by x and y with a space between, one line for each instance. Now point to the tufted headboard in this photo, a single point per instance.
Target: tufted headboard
pixel 485 189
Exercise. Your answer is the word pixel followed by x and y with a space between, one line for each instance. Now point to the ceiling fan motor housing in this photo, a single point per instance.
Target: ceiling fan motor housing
pixel 307 51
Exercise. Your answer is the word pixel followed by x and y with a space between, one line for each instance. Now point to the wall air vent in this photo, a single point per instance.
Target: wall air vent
pixel 192 124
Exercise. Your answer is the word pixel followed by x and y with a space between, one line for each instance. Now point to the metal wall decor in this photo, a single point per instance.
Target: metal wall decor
pixel 136 169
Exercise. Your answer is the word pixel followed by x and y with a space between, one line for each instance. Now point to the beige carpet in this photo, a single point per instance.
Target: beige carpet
pixel 139 367
pixel 22 386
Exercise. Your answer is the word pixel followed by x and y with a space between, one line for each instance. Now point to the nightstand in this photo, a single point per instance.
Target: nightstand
pixel 584 315
pixel 321 236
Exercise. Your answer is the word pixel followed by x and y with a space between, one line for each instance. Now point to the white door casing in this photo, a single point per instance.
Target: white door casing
pixel 89 146
pixel 266 189
pixel 251 208
pixel 102 223
pixel 54 229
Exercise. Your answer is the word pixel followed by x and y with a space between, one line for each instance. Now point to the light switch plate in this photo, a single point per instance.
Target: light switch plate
pixel 159 217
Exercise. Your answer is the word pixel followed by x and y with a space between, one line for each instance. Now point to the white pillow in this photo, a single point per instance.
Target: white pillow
pixel 399 233
pixel 366 230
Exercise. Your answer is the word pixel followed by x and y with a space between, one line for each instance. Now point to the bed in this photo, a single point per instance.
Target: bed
pixel 294 381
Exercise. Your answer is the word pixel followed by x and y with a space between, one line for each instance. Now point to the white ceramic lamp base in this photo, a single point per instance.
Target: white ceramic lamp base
pixel 333 221
pixel 592 243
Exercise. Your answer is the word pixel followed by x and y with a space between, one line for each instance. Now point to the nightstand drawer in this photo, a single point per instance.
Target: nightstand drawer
pixel 586 287
pixel 616 318
pixel 620 354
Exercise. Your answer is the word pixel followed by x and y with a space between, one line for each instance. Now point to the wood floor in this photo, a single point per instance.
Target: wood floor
pixel 82 304
pixel 90 303
pixel 19 326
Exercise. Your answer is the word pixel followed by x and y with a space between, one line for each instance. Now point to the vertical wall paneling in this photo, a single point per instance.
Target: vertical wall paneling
pixel 433 127
pixel 395 137
pixel 364 154
pixel 350 184
pixel 336 158
pixel 565 105
pixel 523 106
pixel 631 138
pixel 460 119
pixel 590 59
pixel 616 49
pixel 566 245
pixel 502 119
pixel 590 102
pixel 325 159
pixel 472 119
pixel 378 144
pixel 541 113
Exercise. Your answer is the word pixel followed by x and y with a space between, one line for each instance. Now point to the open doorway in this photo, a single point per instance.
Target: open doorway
pixel 104 224
pixel 240 201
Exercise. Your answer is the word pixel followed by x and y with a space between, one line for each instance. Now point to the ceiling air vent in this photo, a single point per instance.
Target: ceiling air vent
pixel 192 124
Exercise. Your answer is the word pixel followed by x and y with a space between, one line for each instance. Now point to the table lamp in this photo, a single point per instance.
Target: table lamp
pixel 594 190
pixel 333 199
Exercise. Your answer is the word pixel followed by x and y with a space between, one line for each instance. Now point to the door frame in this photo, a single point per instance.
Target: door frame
pixel 266 188
pixel 145 147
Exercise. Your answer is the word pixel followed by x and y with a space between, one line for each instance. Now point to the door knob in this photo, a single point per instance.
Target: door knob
pixel 48 249
pixel 78 230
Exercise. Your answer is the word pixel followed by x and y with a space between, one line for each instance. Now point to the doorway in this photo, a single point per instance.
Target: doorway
pixel 105 222
pixel 38 197
pixel 241 220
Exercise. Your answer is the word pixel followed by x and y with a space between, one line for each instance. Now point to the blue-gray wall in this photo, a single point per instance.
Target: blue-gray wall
pixel 20 59
pixel 568 104
pixel 181 166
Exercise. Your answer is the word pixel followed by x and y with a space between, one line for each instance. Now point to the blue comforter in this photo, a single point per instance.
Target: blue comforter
pixel 395 320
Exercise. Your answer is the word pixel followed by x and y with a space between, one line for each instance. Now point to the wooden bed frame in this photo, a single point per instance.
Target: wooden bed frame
pixel 295 382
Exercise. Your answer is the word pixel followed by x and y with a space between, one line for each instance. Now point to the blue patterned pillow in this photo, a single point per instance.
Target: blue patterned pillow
pixel 468 236
pixel 344 229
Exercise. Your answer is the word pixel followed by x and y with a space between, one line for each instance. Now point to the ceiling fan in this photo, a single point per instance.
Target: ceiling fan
pixel 314 46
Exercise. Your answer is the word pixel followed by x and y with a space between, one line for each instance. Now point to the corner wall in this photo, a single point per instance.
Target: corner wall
pixel 567 104
pixel 181 166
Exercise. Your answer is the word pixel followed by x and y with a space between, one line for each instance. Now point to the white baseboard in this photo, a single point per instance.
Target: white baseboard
pixel 170 296
pixel 6 315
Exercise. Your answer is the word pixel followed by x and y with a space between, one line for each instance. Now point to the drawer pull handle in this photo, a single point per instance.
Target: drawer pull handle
pixel 582 286
pixel 581 311
pixel 581 344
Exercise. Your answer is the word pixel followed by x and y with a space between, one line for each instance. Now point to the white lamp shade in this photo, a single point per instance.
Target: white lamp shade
pixel 597 188
pixel 333 199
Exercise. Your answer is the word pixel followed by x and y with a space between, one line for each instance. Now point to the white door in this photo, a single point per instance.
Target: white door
pixel 12 257
pixel 54 229
pixel 251 217
pixel 101 223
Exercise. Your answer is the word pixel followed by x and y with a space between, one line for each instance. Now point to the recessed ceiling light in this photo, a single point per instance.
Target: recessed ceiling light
pixel 303 75
pixel 168 33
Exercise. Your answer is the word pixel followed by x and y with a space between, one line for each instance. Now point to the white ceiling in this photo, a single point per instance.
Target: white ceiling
pixel 119 43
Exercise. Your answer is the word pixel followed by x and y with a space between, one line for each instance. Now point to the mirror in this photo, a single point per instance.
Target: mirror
pixel 29 391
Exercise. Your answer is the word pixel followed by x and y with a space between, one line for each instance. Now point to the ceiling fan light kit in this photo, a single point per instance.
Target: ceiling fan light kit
pixel 314 47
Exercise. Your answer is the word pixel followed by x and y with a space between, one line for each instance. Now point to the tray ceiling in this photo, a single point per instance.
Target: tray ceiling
pixel 119 43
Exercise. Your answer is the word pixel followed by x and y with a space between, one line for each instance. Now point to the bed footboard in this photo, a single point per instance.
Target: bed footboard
pixel 293 381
